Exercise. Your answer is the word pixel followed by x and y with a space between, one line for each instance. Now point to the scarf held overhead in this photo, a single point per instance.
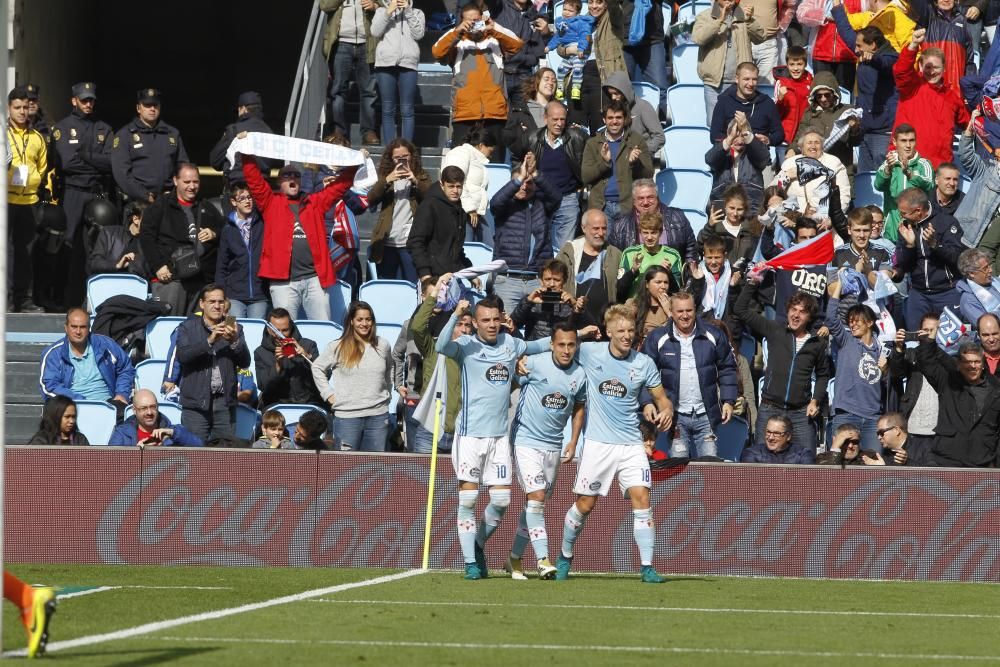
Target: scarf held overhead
pixel 291 149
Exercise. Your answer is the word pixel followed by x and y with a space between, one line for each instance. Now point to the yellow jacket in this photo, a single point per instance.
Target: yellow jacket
pixel 891 20
pixel 27 147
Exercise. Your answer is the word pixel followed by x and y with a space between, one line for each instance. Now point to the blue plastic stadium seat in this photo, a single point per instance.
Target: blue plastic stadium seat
pixel 340 299
pixel 292 412
pixel 321 333
pixel 685 147
pixel 246 421
pixel 697 218
pixel 686 63
pixel 648 92
pixel 393 300
pixel 96 420
pixel 732 438
pixel 687 104
pixel 149 375
pixel 684 188
pixel 253 332
pixel 103 286
pixel 158 334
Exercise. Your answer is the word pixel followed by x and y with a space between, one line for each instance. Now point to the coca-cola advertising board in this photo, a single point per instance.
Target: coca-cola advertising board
pixel 243 507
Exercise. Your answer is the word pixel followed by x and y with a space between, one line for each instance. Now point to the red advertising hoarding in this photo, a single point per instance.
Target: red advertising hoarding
pixel 242 507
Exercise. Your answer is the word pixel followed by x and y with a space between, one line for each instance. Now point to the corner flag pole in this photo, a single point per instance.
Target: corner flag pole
pixel 4 61
pixel 430 480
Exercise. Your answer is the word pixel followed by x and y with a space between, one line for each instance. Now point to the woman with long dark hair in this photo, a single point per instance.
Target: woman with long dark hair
pixel 526 117
pixel 402 184
pixel 58 424
pixel 651 303
pixel 354 376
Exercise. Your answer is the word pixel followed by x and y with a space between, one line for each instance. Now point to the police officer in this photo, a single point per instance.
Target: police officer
pixel 39 121
pixel 145 153
pixel 82 146
pixel 249 118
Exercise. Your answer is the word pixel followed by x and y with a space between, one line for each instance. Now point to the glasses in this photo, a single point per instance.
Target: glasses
pixel 882 431
pixel 823 94
pixel 242 200
pixel 290 174
pixel 145 408
pixel 852 442
pixel 776 434
pixel 983 269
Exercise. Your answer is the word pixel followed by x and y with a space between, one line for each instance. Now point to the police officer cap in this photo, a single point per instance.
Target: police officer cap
pixel 148 96
pixel 32 90
pixel 85 91
pixel 248 98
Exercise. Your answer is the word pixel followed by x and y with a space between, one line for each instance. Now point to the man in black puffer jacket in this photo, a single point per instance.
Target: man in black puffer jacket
pixel 522 213
pixel 437 237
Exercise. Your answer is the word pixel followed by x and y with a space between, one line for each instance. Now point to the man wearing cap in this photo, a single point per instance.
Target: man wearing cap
pixel 145 153
pixel 39 121
pixel 295 257
pixel 82 153
pixel 249 118
pixel 26 168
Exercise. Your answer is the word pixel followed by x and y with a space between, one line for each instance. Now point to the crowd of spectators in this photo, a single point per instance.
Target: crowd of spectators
pixel 882 350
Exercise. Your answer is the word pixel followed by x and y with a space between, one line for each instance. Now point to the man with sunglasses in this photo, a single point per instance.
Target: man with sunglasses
pixel 145 153
pixel 295 257
pixel 895 441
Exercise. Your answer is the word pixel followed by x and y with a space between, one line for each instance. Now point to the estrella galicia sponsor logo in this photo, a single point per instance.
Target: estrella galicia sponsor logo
pixel 554 401
pixel 540 479
pixel 594 486
pixel 474 472
pixel 613 388
pixel 498 374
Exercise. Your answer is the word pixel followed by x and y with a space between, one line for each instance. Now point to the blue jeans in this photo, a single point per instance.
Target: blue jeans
pixel 397 85
pixel 711 98
pixel 869 438
pixel 803 433
pixel 219 421
pixel 611 209
pixel 648 62
pixel 307 294
pixel 482 232
pixel 349 62
pixel 419 440
pixel 362 434
pixel 693 437
pixel 254 309
pixel 397 263
pixel 513 288
pixel 871 152
pixel 919 303
pixel 564 221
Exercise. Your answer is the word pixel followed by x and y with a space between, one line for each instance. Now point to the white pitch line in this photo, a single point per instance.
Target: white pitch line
pixel 588 647
pixel 707 610
pixel 103 589
pixel 156 626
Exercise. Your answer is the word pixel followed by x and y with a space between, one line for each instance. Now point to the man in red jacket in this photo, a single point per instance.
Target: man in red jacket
pixel 925 102
pixel 296 256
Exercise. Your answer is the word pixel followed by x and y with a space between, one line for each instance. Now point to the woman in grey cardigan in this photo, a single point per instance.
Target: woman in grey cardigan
pixel 354 376
pixel 397 26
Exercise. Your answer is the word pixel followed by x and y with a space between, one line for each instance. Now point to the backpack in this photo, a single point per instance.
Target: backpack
pixel 637 27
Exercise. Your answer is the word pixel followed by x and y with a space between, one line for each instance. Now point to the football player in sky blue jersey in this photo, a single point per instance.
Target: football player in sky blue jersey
pixel 481 450
pixel 613 444
pixel 553 389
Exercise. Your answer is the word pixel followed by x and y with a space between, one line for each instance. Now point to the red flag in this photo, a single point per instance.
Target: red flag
pixel 815 251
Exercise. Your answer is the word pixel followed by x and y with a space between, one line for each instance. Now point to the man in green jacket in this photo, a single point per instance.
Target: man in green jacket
pixel 902 169
pixel 612 160
pixel 425 324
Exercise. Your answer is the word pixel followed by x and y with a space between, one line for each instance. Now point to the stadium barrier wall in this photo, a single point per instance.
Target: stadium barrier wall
pixel 281 508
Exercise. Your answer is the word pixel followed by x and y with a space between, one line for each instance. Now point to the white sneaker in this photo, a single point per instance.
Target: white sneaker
pixel 513 566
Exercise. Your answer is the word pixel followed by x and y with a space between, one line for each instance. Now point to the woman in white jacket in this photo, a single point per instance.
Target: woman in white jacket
pixel 811 194
pixel 472 158
pixel 397 26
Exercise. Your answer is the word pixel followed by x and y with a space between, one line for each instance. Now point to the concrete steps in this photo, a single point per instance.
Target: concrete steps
pixel 23 402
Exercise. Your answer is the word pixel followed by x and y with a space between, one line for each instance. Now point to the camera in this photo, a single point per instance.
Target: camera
pixel 288 347
pixel 912 336
pixel 551 296
pixel 479 26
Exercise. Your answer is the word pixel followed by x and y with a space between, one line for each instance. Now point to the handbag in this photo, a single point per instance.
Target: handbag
pixel 186 262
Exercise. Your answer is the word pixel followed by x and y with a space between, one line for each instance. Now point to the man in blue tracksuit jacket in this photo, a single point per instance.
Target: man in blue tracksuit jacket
pixel 148 428
pixel 85 366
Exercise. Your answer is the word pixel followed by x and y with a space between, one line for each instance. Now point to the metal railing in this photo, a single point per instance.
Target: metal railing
pixel 307 106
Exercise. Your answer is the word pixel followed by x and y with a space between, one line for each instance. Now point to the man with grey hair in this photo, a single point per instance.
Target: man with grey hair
pixel 980 291
pixel 928 249
pixel 593 267
pixel 969 405
pixel 558 152
pixel 677 233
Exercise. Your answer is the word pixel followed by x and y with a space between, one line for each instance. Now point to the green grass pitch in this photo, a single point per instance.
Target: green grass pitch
pixel 437 618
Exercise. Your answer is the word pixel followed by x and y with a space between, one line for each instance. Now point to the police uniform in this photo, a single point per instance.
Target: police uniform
pixel 83 150
pixel 249 122
pixel 143 158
